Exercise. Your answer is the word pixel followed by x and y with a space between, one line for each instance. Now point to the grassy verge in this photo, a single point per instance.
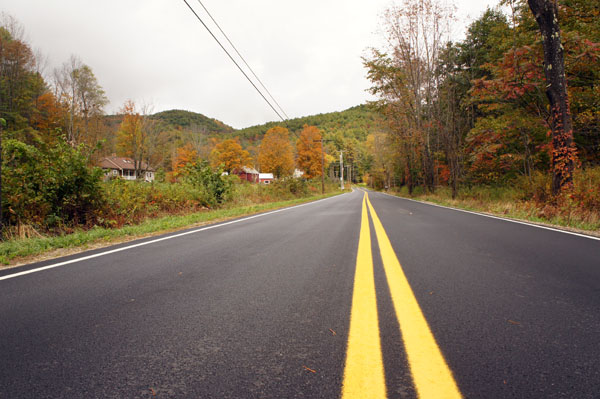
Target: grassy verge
pixel 24 250
pixel 508 202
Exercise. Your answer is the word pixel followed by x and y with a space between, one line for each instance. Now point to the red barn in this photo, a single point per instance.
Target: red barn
pixel 246 173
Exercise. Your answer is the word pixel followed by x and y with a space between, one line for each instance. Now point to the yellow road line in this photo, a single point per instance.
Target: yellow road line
pixel 431 375
pixel 363 374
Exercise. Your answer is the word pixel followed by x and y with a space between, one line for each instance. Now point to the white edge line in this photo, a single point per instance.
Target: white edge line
pixel 495 217
pixel 141 244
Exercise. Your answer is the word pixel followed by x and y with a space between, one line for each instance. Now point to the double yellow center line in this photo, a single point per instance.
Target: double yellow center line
pixel 364 375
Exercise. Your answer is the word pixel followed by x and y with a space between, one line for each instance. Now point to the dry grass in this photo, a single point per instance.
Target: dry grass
pixel 578 209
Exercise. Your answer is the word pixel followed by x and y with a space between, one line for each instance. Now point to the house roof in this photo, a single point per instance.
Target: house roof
pixel 248 170
pixel 121 163
pixel 265 175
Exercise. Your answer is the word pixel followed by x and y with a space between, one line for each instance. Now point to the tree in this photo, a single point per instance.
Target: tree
pixel 563 150
pixel 308 148
pixel 230 155
pixel 416 31
pixel 381 147
pixel 276 155
pixel 20 83
pixel 186 155
pixel 78 88
pixel 132 138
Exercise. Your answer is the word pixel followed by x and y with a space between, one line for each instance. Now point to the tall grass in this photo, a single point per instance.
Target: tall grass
pixel 531 200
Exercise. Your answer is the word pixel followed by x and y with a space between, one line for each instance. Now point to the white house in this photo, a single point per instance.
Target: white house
pixel 124 168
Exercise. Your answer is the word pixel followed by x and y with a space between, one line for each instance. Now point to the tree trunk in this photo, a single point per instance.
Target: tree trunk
pixel 563 149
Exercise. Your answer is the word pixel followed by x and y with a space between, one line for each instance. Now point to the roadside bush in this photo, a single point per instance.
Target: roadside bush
pixel 293 186
pixel 217 187
pixel 130 202
pixel 45 189
pixel 586 189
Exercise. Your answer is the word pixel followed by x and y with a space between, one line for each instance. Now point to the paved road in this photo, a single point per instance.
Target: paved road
pixel 269 307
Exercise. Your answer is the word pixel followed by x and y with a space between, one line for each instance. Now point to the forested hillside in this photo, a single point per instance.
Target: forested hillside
pixel 356 122
pixel 188 119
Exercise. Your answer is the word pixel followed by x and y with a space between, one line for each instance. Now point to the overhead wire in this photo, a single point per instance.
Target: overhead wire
pixel 233 60
pixel 240 55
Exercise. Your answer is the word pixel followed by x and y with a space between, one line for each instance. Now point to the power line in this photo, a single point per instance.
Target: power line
pixel 236 64
pixel 238 53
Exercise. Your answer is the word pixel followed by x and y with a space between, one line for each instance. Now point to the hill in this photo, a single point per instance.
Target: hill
pixel 179 120
pixel 354 123
pixel 188 119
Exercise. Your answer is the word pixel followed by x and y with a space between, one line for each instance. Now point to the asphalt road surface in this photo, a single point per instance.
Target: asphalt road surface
pixel 345 297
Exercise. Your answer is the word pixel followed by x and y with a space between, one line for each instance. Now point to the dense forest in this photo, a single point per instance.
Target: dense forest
pixel 458 115
pixel 488 110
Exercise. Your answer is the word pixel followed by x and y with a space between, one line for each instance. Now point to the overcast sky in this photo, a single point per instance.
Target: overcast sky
pixel 308 53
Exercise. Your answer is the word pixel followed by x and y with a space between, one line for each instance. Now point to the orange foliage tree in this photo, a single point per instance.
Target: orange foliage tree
pixel 276 155
pixel 308 148
pixel 186 155
pixel 48 116
pixel 230 155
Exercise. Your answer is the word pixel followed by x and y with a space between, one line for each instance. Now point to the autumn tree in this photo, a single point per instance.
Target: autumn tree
pixel 563 151
pixel 417 31
pixel 308 148
pixel 185 156
pixel 276 154
pixel 230 155
pixel 20 81
pixel 381 146
pixel 78 88
pixel 132 137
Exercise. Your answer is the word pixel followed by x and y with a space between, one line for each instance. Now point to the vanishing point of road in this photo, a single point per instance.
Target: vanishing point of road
pixel 362 295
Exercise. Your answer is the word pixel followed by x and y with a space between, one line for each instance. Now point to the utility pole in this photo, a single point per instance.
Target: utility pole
pixel 342 169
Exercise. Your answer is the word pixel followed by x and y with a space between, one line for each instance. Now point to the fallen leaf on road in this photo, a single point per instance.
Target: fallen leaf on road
pixel 309 369
pixel 514 322
pixel 430 292
pixel 153 391
pixel 332 332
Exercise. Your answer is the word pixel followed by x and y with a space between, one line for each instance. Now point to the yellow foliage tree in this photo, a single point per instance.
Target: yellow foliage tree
pixel 230 155
pixel 308 148
pixel 132 136
pixel 275 154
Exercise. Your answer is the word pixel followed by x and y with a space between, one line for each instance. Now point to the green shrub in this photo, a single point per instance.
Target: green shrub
pixel 216 185
pixel 47 188
pixel 130 202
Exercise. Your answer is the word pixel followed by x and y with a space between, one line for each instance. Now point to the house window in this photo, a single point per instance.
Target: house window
pixel 266 182
pixel 115 172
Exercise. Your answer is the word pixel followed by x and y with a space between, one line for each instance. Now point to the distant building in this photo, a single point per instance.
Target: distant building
pixel 265 178
pixel 124 168
pixel 247 173
pixel 298 173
